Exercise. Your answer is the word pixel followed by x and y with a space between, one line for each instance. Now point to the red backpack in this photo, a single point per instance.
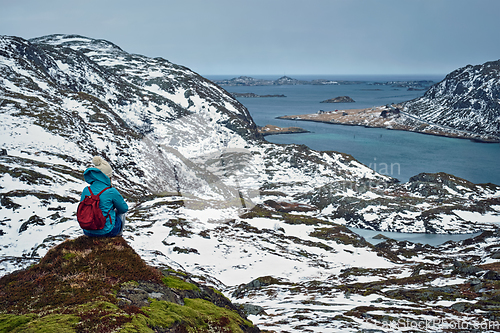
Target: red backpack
pixel 89 215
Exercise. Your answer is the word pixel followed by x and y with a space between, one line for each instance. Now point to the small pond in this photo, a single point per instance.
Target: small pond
pixel 431 239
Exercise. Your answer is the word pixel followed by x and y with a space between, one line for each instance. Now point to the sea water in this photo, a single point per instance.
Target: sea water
pixel 400 154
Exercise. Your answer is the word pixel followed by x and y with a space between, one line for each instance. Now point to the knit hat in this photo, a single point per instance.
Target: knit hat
pixel 103 166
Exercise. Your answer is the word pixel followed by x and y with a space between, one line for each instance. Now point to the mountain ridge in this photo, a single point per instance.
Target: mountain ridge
pixel 466 99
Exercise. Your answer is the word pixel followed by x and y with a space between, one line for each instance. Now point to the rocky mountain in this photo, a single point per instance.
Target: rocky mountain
pixel 263 223
pixel 250 81
pixel 468 99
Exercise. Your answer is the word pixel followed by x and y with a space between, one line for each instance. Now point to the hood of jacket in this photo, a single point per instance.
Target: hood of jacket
pixel 92 175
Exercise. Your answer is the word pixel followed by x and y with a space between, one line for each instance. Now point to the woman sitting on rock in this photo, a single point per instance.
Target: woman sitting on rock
pixel 111 203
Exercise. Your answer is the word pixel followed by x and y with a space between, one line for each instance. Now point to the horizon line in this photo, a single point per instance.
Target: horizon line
pixel 333 75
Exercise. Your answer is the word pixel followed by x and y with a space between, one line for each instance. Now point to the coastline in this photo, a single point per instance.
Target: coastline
pixel 388 118
pixel 272 130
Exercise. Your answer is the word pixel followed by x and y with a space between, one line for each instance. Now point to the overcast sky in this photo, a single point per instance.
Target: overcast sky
pixel 255 37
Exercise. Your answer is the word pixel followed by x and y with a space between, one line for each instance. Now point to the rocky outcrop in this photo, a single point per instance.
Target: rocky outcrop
pixel 86 284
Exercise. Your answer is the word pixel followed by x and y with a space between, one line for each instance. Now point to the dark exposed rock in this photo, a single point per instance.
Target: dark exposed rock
pixel 255 310
pixel 380 236
pixel 474 282
pixel 185 250
pixel 448 290
pixel 33 220
pixel 465 268
pixel 440 178
pixel 390 112
pixel 289 206
pixel 258 283
pixel 491 275
pixel 462 307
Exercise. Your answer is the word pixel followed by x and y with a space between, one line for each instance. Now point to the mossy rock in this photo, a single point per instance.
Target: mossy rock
pixel 258 211
pixel 178 283
pixel 63 323
pixel 102 285
pixel 341 235
pixel 74 272
pixel 197 315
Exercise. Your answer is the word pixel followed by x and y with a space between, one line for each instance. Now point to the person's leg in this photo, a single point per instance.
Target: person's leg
pixel 122 219
pixel 116 231
pixel 117 228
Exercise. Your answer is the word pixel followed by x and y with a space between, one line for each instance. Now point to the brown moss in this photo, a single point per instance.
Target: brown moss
pixel 341 235
pixel 258 211
pixel 494 266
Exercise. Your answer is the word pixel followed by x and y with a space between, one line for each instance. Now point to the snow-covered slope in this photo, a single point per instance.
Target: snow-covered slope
pixel 468 99
pixel 207 193
pixel 164 129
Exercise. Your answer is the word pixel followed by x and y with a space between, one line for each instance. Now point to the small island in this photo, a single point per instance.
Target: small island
pixel 271 129
pixel 252 95
pixel 340 99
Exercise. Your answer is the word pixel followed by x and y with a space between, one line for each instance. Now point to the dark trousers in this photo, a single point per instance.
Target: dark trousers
pixel 116 231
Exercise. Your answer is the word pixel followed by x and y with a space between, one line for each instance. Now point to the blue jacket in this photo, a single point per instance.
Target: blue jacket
pixel 110 199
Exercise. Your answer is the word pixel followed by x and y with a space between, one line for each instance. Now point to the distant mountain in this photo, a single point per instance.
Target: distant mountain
pixel 250 81
pixel 468 99
pixel 284 80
